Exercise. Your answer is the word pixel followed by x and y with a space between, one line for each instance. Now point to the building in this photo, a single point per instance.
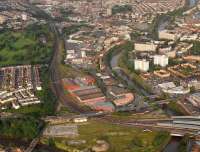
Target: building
pixel 85 91
pixel 24 17
pixel 192 58
pixel 141 65
pixel 171 88
pixel 81 119
pixel 109 11
pixel 18 85
pixel 194 99
pixel 168 35
pixel 123 99
pixel 145 47
pixel 161 60
pixel 162 73
pixel 195 84
pixel 2 19
pixel 185 70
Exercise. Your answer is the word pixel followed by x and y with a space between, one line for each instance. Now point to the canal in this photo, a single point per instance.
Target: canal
pixel 124 77
pixel 174 142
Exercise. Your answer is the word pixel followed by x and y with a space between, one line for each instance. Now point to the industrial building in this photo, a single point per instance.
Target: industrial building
pixel 87 93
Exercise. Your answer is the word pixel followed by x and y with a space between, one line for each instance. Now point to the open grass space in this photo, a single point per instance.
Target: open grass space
pixel 33 45
pixel 120 138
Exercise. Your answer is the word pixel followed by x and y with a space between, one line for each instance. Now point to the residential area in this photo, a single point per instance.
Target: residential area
pixel 18 86
pixel 99 76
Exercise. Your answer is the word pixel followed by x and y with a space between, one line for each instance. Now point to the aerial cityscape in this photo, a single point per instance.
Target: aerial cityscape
pixel 99 75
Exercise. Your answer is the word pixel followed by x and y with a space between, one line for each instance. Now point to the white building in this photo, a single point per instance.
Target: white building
pixel 83 54
pixel 145 47
pixel 141 65
pixel 109 11
pixel 24 17
pixel 161 60
pixel 2 19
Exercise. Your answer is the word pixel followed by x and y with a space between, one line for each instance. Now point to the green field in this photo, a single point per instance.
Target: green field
pixel 26 47
pixel 120 139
